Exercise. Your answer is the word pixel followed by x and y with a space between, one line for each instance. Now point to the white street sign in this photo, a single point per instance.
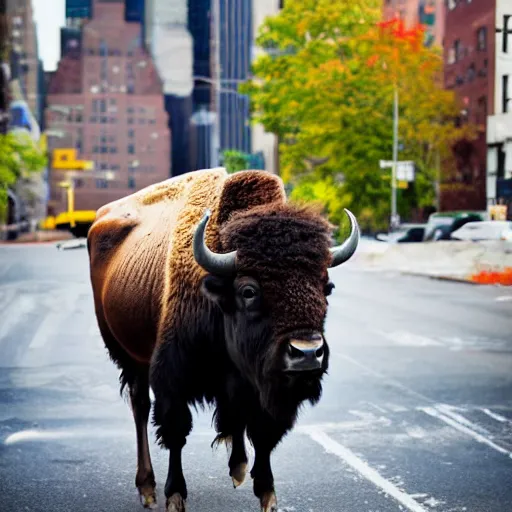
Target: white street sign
pixel 404 170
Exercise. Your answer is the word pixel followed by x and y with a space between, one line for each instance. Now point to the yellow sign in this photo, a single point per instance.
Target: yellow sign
pixel 402 184
pixel 65 159
pixel 498 212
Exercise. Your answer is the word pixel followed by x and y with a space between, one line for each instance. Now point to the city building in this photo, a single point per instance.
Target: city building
pixel 234 37
pixel 105 101
pixel 469 58
pixel 24 100
pixel 170 43
pixel 203 120
pixel 499 122
pixel 429 13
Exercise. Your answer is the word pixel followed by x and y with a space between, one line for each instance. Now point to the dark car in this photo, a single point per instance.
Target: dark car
pixel 406 233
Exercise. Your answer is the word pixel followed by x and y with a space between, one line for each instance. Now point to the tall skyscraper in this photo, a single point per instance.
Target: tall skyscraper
pixel 235 41
pixel 106 101
pixel 171 46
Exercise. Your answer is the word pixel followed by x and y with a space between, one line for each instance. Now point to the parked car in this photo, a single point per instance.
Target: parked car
pixel 404 234
pixel 484 230
pixel 441 225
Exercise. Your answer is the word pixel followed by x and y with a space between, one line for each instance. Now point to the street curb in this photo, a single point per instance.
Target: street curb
pixel 441 278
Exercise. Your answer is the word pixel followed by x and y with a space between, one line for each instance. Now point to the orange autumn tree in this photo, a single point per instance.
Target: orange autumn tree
pixel 325 87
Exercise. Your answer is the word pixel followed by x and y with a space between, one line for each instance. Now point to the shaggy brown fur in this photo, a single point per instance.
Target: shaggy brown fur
pixel 141 247
pixel 194 336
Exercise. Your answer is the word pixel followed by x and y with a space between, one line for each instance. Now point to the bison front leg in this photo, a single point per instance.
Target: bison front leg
pixel 174 423
pixel 264 434
pixel 230 425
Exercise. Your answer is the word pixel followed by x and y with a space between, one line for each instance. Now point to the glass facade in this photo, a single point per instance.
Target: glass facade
pixel 134 11
pixel 235 63
pixel 78 8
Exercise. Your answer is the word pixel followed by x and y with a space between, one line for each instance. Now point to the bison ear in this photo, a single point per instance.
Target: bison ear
pixel 216 289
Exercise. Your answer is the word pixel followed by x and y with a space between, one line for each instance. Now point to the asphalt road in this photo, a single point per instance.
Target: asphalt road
pixel 416 413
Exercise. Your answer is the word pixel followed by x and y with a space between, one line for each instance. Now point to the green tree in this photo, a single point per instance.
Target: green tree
pixel 234 160
pixel 326 86
pixel 19 157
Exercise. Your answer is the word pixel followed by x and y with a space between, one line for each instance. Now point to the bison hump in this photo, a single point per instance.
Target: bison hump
pixel 248 189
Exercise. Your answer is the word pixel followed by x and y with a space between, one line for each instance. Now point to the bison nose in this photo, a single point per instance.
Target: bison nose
pixel 305 354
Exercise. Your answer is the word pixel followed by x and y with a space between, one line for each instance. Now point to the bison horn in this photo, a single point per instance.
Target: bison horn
pixel 212 262
pixel 343 252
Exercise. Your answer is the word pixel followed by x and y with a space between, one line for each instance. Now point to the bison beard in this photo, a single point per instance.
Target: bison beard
pixel 220 340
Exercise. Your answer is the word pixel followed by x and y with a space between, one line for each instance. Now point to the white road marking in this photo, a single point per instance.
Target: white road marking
pixel 432 411
pixel 47 329
pixel 15 313
pixel 36 435
pixel 450 411
pixel 55 435
pixel 504 298
pixel 494 416
pixel 408 339
pixel 351 459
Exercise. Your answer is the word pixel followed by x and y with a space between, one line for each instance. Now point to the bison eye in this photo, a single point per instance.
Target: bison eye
pixel 328 289
pixel 248 292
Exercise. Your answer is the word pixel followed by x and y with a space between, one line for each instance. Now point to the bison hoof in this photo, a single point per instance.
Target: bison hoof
pixel 175 503
pixel 238 473
pixel 148 497
pixel 269 502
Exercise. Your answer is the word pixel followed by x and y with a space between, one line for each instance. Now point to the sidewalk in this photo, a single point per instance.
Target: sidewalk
pixel 39 237
pixel 475 262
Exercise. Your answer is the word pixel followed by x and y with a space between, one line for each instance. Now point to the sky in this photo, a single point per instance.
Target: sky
pixel 49 16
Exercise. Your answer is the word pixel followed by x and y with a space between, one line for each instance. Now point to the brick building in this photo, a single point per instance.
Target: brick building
pixel 105 100
pixel 469 50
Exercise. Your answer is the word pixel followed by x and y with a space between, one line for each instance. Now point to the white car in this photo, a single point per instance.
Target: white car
pixel 484 230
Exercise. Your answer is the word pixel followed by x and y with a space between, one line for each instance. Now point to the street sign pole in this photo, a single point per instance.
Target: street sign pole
pixel 394 221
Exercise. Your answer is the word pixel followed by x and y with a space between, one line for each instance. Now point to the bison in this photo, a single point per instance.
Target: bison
pixel 211 288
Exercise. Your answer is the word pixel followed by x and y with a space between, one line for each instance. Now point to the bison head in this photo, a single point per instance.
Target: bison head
pixel 272 289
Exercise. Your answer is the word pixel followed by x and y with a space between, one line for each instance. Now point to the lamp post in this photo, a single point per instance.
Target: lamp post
pixel 394 221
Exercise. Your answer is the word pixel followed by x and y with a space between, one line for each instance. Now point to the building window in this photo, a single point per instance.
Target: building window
pixel 113 149
pixel 131 149
pixel 457 50
pixel 96 149
pixel 504 94
pixel 130 120
pixel 131 182
pixel 482 110
pixel 131 133
pixel 130 110
pixel 79 182
pixel 481 39
pixel 152 121
pixel 471 73
pixel 101 183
